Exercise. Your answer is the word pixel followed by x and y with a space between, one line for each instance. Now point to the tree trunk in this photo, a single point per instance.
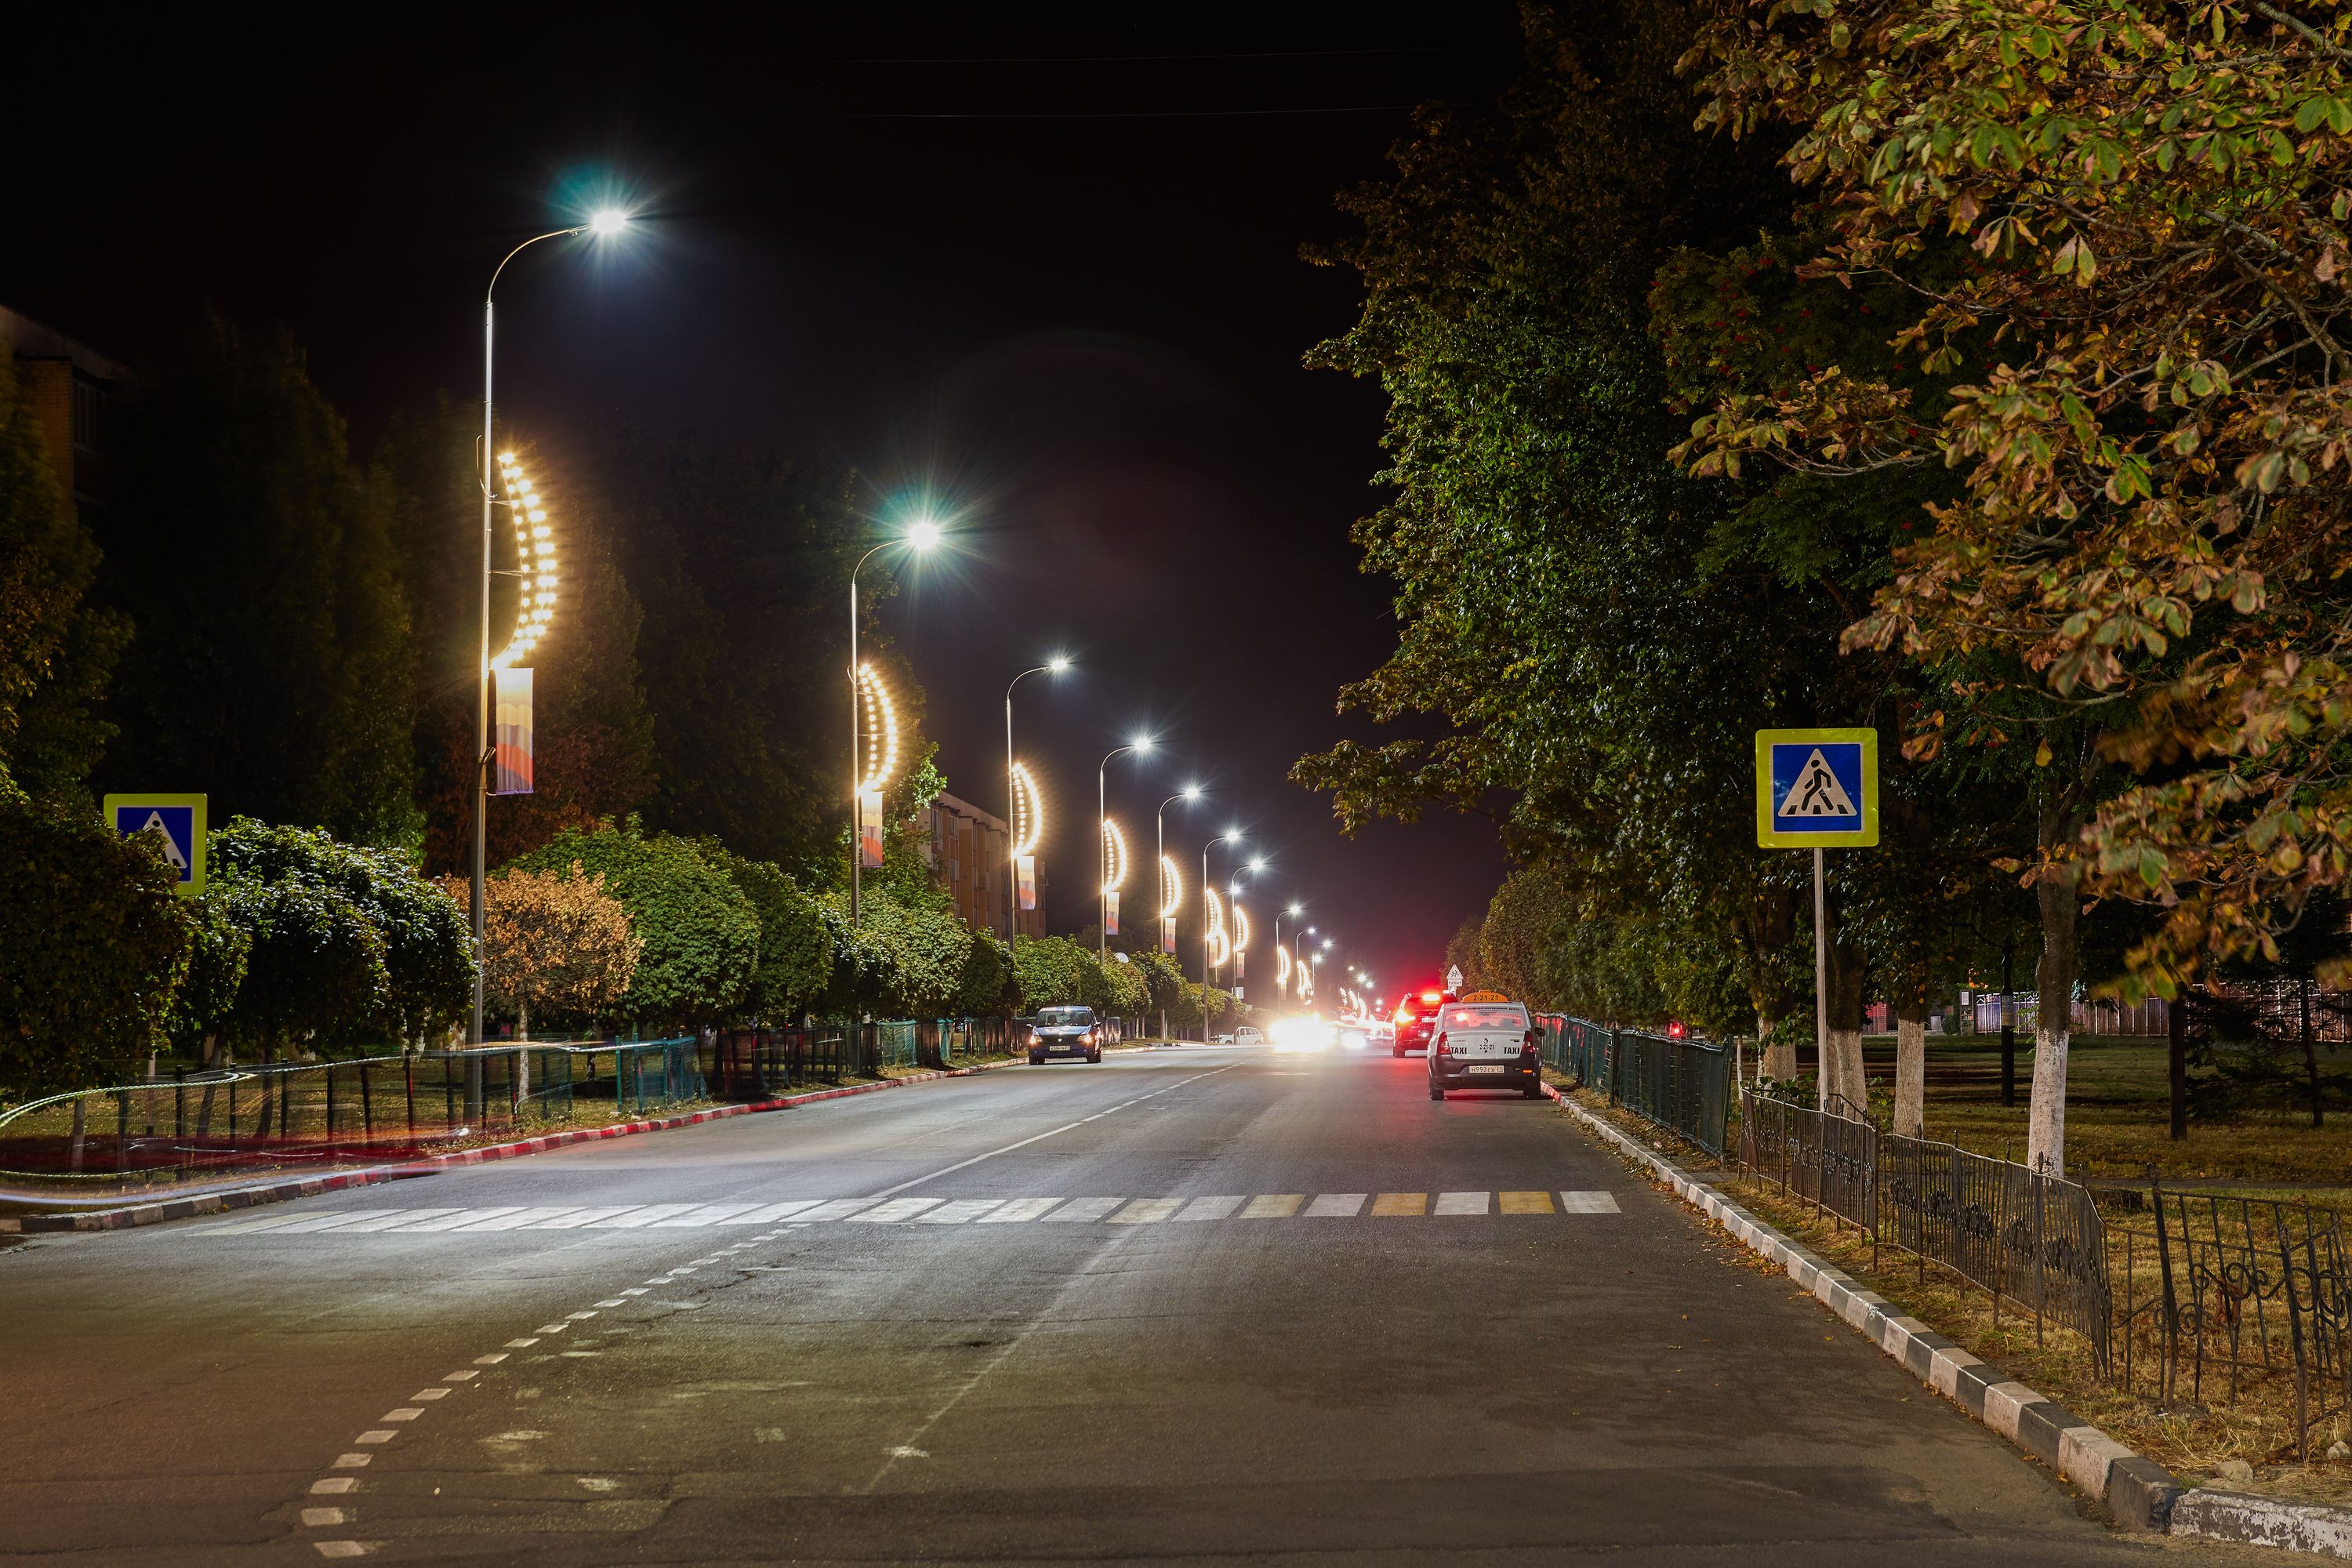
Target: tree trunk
pixel 2310 1052
pixel 523 1058
pixel 1780 1057
pixel 2176 1030
pixel 1911 1060
pixel 1845 1029
pixel 2053 979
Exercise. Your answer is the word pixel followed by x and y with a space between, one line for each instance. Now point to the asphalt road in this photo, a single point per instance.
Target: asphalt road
pixel 1343 1322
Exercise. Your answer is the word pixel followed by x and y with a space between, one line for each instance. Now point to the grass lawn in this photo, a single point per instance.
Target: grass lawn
pixel 2117 1117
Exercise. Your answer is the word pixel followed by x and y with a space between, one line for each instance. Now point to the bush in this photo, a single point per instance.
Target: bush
pixel 92 945
pixel 797 956
pixel 702 934
pixel 905 961
pixel 559 946
pixel 1054 972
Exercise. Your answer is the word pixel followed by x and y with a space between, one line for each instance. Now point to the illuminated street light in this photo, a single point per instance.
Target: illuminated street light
pixel 1213 920
pixel 1028 824
pixel 535 561
pixel 482 749
pixel 1141 745
pixel 921 537
pixel 1054 666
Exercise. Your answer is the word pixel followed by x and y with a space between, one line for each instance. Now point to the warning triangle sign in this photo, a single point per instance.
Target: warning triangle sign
pixel 154 823
pixel 1817 791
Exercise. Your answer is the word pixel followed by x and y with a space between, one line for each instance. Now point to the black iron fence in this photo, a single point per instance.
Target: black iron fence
pixel 1682 1085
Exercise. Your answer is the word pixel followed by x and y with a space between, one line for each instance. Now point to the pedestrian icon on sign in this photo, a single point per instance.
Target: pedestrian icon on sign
pixel 1818 792
pixel 177 823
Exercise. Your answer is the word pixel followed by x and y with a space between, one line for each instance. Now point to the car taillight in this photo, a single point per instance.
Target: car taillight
pixel 1433 996
pixel 1441 1047
pixel 1530 1041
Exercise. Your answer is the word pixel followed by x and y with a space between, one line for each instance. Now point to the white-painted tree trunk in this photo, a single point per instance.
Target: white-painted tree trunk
pixel 2046 1130
pixel 1911 1078
pixel 1851 1082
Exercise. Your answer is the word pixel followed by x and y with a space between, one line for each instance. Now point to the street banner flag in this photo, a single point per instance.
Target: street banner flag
pixel 1817 787
pixel 869 828
pixel 1166 933
pixel 1024 880
pixel 178 820
pixel 510 754
pixel 1241 970
pixel 1110 912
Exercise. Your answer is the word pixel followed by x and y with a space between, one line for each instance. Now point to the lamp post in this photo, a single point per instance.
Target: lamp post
pixel 608 222
pixel 1054 666
pixel 1141 745
pixel 1162 868
pixel 920 538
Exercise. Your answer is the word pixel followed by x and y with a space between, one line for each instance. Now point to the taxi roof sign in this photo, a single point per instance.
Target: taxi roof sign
pixel 1817 789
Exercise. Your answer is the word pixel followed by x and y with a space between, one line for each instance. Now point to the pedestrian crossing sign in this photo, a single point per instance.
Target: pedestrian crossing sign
pixel 1817 789
pixel 177 819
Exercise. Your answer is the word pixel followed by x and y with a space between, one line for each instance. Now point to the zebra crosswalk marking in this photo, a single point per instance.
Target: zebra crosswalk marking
pixel 903 1210
pixel 1336 1206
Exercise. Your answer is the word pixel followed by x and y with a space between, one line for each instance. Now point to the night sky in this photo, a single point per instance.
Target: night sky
pixel 1048 280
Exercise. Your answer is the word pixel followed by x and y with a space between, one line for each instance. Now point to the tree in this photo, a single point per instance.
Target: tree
pixel 559 943
pixel 796 944
pixel 92 945
pixel 702 934
pixel 271 663
pixel 57 648
pixel 2145 412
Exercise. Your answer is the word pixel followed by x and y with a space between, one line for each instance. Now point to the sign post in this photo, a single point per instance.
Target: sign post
pixel 177 819
pixel 1817 789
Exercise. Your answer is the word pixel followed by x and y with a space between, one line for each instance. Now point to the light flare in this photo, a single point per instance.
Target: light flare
pixel 1114 857
pixel 1172 888
pixel 881 727
pixel 1028 812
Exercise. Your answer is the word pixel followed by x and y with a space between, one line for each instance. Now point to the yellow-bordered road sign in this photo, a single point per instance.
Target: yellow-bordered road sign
pixel 1817 789
pixel 179 820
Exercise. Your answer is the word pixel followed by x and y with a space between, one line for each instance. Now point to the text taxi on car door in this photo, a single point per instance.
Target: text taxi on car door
pixel 1484 1042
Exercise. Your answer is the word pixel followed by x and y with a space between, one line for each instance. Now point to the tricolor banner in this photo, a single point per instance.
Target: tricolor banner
pixel 1024 880
pixel 1110 912
pixel 1166 933
pixel 510 759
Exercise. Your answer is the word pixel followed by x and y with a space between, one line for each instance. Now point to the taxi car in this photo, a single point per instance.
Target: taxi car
pixel 1480 1043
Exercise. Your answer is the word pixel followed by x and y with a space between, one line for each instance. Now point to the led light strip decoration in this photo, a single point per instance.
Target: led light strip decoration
pixel 1172 888
pixel 881 727
pixel 1114 857
pixel 1282 966
pixel 1221 946
pixel 534 561
pixel 1241 927
pixel 1028 812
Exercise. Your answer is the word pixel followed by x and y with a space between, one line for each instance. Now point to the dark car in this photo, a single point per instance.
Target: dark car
pixel 1415 1015
pixel 1064 1032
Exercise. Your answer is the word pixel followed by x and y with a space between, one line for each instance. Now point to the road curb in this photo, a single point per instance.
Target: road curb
pixel 278 1191
pixel 2137 1491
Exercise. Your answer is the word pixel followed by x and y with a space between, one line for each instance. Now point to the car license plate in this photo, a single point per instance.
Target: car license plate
pixel 1498 1067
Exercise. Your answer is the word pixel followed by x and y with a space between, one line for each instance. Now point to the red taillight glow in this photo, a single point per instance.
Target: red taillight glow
pixel 1439 1047
pixel 1433 996
pixel 1675 1031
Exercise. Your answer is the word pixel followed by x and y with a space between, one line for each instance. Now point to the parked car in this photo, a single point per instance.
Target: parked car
pixel 1246 1036
pixel 1064 1032
pixel 1485 1044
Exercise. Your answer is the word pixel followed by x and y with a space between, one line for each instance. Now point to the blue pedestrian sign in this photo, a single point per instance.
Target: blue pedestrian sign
pixel 177 819
pixel 1817 789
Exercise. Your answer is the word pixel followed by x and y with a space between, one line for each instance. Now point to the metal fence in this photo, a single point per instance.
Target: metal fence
pixel 2228 1297
pixel 2032 1240
pixel 320 1112
pixel 1683 1086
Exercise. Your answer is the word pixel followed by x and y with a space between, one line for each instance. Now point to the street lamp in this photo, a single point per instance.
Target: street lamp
pixel 1054 666
pixel 604 224
pixel 921 537
pixel 1141 745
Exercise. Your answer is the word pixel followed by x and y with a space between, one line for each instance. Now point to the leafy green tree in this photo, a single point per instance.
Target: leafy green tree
pixel 57 648
pixel 92 946
pixel 701 933
pixel 218 951
pixel 795 944
pixel 271 664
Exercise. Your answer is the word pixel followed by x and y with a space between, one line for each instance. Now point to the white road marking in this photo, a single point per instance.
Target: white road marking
pixel 709 1214
pixel 490 1360
pixel 1209 1208
pixel 329 1486
pixel 1336 1206
pixel 518 1218
pixel 1147 1211
pixel 636 1218
pixel 896 1209
pixel 839 1208
pixel 246 1226
pixel 1083 1210
pixel 340 1548
pixel 1017 1209
pixel 325 1221
pixel 406 1412
pixel 312 1518
pixel 375 1222
pixel 430 1393
pixel 578 1217
pixel 1589 1202
pixel 1463 1202
pixel 452 1221
pixel 961 1210
pixel 380 1434
pixel 353 1461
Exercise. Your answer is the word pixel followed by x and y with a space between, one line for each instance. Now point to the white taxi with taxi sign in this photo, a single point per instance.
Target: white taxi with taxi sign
pixel 1484 1042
